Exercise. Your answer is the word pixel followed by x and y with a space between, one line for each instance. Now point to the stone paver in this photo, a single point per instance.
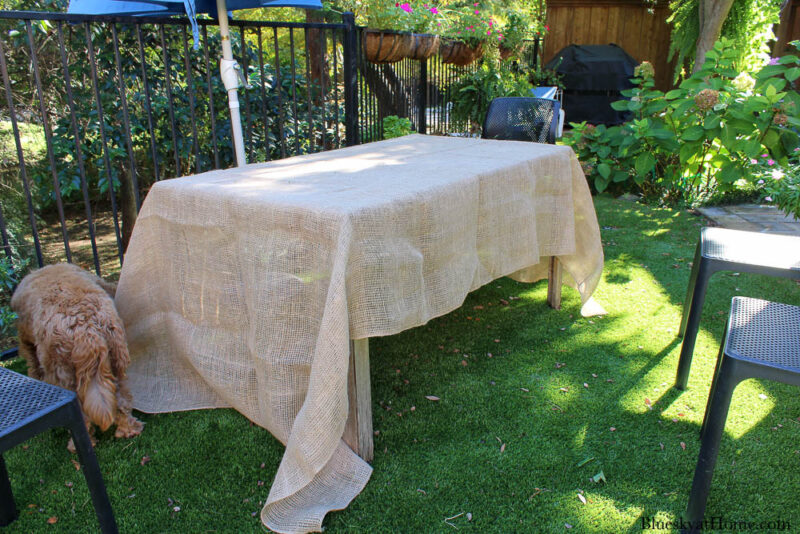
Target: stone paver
pixel 754 218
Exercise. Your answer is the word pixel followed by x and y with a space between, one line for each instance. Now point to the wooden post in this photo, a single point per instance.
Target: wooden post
pixel 358 430
pixel 554 284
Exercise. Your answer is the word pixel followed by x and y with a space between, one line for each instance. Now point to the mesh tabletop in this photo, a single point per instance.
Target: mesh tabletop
pixel 751 248
pixel 765 331
pixel 23 398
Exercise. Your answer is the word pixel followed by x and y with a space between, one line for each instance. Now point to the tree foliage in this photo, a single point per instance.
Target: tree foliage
pixel 748 26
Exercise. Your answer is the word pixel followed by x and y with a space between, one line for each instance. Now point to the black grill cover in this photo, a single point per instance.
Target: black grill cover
pixel 593 76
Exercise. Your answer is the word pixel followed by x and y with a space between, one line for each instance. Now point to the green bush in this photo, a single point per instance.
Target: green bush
pixel 394 126
pixel 700 138
pixel 472 93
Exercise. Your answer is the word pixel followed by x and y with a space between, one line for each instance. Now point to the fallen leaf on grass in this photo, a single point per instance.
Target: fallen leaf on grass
pixel 559 365
pixel 145 459
pixel 563 389
pixel 585 461
pixel 582 498
pixel 683 445
pixel 503 448
pixel 662 446
pixel 431 397
pixel 469 516
pixel 52 520
pixel 613 429
pixel 599 477
pixel 526 390
pixel 586 385
pixel 75 464
pixel 567 525
pixel 647 403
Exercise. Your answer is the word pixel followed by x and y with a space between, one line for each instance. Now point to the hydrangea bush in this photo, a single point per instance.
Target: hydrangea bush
pixel 700 138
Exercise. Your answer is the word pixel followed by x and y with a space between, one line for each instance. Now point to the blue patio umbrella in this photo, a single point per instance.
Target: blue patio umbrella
pixel 228 66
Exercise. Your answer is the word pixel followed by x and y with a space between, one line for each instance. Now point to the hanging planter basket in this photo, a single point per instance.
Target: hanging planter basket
pixel 424 45
pixel 459 53
pixel 386 46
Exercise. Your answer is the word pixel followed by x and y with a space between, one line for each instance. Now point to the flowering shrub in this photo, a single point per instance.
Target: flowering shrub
pixel 415 17
pixel 700 138
pixel 779 184
pixel 471 24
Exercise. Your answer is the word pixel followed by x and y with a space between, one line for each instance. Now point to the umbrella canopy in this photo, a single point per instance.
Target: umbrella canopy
pixel 228 66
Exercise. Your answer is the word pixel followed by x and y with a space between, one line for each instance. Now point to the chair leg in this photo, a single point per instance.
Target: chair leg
pixel 714 382
pixel 687 303
pixel 716 414
pixel 91 470
pixel 704 272
pixel 8 510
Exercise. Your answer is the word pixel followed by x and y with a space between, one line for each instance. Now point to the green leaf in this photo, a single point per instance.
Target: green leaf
pixel 645 163
pixel 792 74
pixel 620 105
pixel 729 173
pixel 620 176
pixel 672 95
pixel 599 477
pixel 771 90
pixel 604 170
pixel 688 150
pixel 693 133
pixel 771 139
pixel 584 461
pixel 712 121
pixel 600 184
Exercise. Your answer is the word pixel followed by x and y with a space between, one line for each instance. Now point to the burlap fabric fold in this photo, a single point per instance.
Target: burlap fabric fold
pixel 242 288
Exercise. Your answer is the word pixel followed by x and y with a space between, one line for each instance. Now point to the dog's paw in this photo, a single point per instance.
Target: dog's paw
pixel 129 427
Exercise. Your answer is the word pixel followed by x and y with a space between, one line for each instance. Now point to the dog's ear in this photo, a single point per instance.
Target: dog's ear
pixel 108 287
pixel 96 385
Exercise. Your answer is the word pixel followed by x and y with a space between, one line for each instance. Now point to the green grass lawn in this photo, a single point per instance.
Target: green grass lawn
pixel 533 404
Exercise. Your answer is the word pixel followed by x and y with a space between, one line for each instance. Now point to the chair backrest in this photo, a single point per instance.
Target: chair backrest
pixel 519 118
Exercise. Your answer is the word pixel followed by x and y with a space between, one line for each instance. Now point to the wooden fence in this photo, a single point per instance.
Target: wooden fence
pixel 789 28
pixel 626 23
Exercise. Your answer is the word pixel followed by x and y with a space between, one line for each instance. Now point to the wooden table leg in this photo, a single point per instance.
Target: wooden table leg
pixel 358 430
pixel 554 284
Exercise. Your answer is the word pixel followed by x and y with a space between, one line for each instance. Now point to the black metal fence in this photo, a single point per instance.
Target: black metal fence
pixel 97 109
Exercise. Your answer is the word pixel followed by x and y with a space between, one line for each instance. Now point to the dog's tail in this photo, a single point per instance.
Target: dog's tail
pixel 96 386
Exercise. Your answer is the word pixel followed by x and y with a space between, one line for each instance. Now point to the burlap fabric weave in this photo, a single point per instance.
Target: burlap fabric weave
pixel 242 288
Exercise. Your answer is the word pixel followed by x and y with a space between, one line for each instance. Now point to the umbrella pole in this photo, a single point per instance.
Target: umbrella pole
pixel 230 80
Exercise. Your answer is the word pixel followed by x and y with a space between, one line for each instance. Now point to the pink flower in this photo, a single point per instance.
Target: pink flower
pixel 760 182
pixel 753 161
pixel 797 149
pixel 773 60
pixel 406 7
pixel 490 23
pixel 547 28
pixel 477 12
pixel 770 162
pixel 764 155
pixel 499 36
pixel 475 4
pixel 489 32
pixel 434 11
pixel 768 199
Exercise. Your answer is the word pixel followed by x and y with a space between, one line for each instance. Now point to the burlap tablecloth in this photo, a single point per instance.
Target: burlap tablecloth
pixel 242 288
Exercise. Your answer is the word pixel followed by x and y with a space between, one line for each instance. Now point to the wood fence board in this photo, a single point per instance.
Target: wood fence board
pixel 626 23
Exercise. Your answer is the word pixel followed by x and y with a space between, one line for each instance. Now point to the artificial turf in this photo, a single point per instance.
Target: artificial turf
pixel 533 404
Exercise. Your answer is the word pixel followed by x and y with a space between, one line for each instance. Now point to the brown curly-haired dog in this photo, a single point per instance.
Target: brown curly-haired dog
pixel 71 336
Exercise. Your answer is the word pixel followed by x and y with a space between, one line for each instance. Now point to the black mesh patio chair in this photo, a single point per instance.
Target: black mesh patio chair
pixel 762 340
pixel 518 118
pixel 29 407
pixel 721 249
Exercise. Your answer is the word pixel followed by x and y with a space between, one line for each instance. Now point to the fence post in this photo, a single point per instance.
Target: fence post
pixel 422 98
pixel 350 80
